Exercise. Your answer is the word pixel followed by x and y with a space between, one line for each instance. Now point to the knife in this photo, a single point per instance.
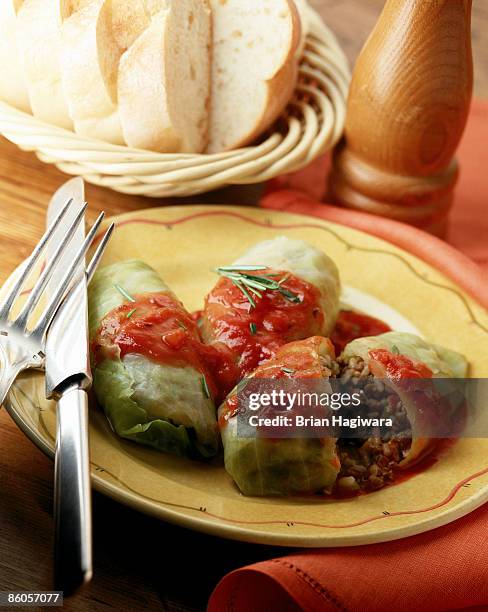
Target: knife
pixel 68 379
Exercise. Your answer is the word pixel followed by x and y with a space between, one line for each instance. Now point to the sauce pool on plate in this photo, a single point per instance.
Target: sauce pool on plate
pixel 351 324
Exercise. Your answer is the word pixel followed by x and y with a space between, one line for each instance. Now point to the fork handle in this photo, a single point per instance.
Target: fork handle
pixel 72 494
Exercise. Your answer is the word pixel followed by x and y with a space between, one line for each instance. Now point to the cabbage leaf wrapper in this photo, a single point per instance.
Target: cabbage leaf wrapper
pixel 409 366
pixel 279 291
pixel 148 372
pixel 284 466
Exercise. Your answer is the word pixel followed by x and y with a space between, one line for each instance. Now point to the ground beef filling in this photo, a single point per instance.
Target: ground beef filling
pixel 369 463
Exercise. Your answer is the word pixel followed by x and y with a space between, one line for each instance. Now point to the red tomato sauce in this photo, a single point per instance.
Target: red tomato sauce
pixel 158 327
pixel 297 360
pixel 433 412
pixel 351 325
pixel 398 367
pixel 254 334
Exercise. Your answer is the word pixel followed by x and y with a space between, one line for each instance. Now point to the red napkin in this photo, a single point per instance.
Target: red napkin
pixel 444 569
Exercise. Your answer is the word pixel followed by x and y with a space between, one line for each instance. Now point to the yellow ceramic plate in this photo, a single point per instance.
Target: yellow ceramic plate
pixel 184 244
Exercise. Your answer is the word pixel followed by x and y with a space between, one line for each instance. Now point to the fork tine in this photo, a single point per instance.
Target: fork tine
pixel 31 261
pixel 54 302
pixel 36 293
pixel 95 260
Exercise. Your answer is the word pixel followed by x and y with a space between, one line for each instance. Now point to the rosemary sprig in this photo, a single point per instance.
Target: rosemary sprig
pixel 130 313
pixel 395 350
pixel 124 293
pixel 242 287
pixel 242 385
pixel 253 328
pixel 287 370
pixel 205 388
pixel 256 285
pixel 290 296
pixel 241 268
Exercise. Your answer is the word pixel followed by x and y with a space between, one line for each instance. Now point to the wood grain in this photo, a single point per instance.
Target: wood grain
pixel 140 563
pixel 353 20
pixel 407 108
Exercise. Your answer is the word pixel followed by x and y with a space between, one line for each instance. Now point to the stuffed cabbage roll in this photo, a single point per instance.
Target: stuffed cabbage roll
pixel 280 291
pixel 395 371
pixel 149 365
pixel 282 466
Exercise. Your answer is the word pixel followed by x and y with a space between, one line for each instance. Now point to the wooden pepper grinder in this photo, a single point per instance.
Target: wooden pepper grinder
pixel 407 109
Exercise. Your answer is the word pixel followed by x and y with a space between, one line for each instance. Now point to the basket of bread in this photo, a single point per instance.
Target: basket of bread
pixel 170 97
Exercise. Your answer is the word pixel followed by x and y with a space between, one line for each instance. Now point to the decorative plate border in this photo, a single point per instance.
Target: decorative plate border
pixel 98 469
pixel 284 226
pixel 267 223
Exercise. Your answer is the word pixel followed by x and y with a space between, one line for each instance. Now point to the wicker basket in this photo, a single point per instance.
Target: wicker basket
pixel 311 125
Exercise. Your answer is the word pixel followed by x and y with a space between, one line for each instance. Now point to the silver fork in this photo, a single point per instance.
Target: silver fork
pixel 20 347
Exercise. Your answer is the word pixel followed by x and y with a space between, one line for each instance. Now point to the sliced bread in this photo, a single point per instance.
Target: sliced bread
pixel 164 81
pixel 68 7
pixel 255 68
pixel 39 37
pixel 13 86
pixel 303 12
pixel 93 41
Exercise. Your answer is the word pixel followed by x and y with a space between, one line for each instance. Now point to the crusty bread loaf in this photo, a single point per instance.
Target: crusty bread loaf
pixel 13 86
pixel 164 81
pixel 302 8
pixel 39 36
pixel 254 68
pixel 93 41
pixel 68 7
pixel 166 75
pixel 88 75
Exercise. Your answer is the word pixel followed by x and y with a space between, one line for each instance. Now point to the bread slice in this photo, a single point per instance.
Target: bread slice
pixel 93 41
pixel 39 36
pixel 303 12
pixel 68 7
pixel 164 81
pixel 254 68
pixel 13 87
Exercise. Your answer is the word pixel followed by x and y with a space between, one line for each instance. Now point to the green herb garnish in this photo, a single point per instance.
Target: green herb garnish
pixel 205 388
pixel 290 296
pixel 130 313
pixel 242 385
pixel 395 349
pixel 240 268
pixel 288 370
pixel 256 285
pixel 242 287
pixel 253 328
pixel 124 293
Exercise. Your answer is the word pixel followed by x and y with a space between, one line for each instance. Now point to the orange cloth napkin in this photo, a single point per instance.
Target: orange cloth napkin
pixel 444 569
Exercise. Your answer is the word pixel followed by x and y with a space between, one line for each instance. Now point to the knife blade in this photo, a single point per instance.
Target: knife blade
pixel 68 378
pixel 71 329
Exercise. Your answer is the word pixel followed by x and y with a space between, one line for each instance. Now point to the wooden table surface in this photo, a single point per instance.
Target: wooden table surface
pixel 140 563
